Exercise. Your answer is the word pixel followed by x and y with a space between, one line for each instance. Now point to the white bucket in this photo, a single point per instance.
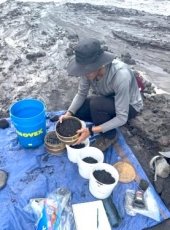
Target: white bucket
pixel 97 188
pixel 83 124
pixel 84 167
pixel 73 153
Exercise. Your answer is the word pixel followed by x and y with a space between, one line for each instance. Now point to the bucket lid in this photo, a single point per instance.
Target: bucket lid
pixel 126 171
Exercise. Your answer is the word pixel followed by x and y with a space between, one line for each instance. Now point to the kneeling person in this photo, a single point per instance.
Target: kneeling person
pixel 116 97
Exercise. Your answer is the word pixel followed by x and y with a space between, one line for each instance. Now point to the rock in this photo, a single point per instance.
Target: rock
pixel 44 33
pixel 4 124
pixel 164 140
pixel 3 178
pixel 148 84
pixel 17 61
pixel 73 36
pixel 32 56
pixel 127 55
pixel 105 48
pixel 69 52
pixel 127 58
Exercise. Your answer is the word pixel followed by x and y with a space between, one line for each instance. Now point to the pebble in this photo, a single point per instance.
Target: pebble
pixel 3 178
pixel 4 124
pixel 39 54
pixel 69 52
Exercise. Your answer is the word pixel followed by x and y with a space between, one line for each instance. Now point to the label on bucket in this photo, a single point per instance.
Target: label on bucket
pixel 31 134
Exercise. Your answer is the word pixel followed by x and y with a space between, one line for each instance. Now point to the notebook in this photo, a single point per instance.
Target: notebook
pixel 90 216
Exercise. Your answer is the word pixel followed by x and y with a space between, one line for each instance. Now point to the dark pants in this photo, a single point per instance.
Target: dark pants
pixel 100 109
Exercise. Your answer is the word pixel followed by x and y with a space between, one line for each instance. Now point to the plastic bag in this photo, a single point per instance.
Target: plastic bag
pixel 151 210
pixel 53 212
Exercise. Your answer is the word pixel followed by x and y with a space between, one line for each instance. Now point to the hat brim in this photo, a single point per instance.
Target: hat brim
pixel 76 69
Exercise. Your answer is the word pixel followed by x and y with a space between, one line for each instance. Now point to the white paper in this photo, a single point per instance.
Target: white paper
pixel 90 216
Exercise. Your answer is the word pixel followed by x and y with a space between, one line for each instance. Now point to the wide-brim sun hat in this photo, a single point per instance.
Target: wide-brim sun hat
pixel 89 56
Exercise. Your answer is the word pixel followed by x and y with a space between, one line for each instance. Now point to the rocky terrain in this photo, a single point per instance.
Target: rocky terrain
pixel 38 39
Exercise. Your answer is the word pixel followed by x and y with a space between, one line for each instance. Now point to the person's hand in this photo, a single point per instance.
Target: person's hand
pixel 84 133
pixel 64 116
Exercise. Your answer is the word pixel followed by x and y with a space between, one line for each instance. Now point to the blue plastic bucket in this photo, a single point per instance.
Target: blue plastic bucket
pixel 29 119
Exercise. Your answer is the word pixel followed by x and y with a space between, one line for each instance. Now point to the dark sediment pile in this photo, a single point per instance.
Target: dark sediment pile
pixel 79 146
pixel 90 160
pixel 103 177
pixel 68 128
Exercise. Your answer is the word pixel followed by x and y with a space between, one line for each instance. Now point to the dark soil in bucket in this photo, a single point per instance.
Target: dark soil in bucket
pixel 90 160
pixel 52 139
pixel 77 146
pixel 68 128
pixel 103 177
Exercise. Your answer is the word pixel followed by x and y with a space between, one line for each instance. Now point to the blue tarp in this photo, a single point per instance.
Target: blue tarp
pixel 33 173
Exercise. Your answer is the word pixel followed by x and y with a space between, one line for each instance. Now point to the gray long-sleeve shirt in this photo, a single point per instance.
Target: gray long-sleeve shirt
pixel 118 79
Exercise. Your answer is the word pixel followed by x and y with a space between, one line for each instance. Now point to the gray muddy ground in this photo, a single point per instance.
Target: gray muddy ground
pixel 37 40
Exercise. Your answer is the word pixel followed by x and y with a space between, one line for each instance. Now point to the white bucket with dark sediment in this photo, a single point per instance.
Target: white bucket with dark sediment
pixel 87 159
pixel 103 179
pixel 73 151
